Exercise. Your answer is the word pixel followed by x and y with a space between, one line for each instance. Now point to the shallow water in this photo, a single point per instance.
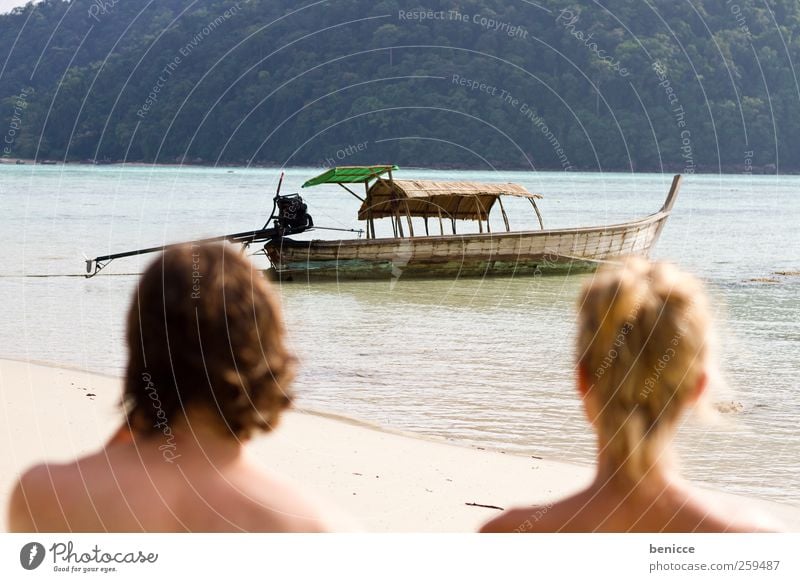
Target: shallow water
pixel 481 362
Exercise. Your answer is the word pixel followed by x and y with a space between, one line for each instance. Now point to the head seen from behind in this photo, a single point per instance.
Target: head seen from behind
pixel 642 357
pixel 205 334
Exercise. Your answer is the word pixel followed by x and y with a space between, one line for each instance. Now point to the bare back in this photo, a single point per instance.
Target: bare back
pixel 129 488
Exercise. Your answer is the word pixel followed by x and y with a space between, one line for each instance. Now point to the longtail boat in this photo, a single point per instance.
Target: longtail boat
pixel 439 251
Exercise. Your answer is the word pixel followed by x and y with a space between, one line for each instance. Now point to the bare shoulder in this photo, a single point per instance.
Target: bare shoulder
pixel 733 514
pixel 321 515
pixel 48 496
pixel 34 504
pixel 298 509
pixel 274 502
pixel 538 518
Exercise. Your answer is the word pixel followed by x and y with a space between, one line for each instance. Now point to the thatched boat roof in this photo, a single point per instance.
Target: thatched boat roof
pixel 459 200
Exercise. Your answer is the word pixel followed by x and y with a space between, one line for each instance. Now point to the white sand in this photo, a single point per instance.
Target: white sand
pixel 390 482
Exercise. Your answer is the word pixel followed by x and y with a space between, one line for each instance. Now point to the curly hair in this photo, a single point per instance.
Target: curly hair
pixel 205 330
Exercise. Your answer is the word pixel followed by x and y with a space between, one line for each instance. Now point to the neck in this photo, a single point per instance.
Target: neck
pixel 660 474
pixel 195 434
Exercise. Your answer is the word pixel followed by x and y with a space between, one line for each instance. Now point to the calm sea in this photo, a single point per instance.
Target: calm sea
pixel 480 362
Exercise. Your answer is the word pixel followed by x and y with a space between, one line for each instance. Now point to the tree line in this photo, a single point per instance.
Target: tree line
pixel 688 85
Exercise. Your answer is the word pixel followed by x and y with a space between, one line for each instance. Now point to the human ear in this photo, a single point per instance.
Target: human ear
pixel 585 387
pixel 699 388
pixel 123 435
pixel 584 384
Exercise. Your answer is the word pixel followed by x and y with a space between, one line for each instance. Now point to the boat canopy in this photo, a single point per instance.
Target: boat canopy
pixel 428 198
pixel 349 175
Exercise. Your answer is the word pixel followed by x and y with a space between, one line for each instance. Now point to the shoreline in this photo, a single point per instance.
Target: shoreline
pixel 391 481
pixel 703 171
pixel 333 416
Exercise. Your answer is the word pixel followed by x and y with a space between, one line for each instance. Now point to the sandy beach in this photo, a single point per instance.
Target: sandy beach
pixel 389 481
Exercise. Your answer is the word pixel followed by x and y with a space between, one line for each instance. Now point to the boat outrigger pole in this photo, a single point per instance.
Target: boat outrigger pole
pixel 289 216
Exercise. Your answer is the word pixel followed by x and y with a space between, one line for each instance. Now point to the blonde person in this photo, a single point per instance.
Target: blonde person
pixel 643 359
pixel 208 370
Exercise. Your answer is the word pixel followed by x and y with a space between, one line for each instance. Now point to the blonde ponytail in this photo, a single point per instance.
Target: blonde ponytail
pixel 642 336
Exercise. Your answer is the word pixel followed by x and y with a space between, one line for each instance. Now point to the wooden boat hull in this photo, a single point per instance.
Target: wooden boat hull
pixel 468 255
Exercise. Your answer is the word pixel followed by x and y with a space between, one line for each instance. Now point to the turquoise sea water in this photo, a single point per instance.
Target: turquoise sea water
pixel 481 362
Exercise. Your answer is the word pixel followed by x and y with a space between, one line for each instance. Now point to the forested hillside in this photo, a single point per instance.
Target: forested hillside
pixel 689 85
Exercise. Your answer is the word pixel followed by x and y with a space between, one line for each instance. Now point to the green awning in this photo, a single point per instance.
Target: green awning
pixel 349 175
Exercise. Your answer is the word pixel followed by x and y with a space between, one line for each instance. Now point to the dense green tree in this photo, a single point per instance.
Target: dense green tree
pixel 686 85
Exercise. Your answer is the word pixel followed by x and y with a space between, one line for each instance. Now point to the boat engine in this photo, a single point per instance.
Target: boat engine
pixel 293 213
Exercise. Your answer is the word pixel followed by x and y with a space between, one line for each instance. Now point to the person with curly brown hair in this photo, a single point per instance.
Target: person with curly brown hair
pixel 208 369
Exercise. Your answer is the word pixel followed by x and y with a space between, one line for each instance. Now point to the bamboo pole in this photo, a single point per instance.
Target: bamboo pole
pixel 351 192
pixel 478 210
pixel 399 221
pixel 538 214
pixel 370 220
pixel 410 224
pixel 482 212
pixel 503 211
